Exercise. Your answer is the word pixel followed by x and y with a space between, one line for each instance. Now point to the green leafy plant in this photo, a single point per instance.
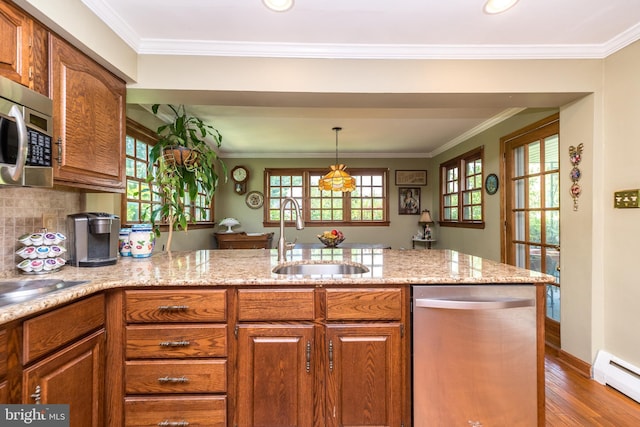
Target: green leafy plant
pixel 182 164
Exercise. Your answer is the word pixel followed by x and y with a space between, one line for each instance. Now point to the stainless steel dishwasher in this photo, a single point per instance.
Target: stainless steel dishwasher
pixel 474 356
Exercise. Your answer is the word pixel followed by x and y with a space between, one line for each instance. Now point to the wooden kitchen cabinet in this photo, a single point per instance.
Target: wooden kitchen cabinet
pixel 23 48
pixel 89 121
pixel 244 240
pixel 64 360
pixel 175 358
pixel 73 376
pixel 326 357
pixel 364 367
pixel 4 367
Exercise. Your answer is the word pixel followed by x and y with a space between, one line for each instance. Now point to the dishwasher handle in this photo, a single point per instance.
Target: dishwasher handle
pixel 474 303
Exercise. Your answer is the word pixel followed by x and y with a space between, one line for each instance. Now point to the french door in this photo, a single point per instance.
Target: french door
pixel 532 208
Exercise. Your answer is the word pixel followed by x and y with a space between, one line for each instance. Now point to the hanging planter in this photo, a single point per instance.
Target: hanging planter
pixel 181 156
pixel 181 165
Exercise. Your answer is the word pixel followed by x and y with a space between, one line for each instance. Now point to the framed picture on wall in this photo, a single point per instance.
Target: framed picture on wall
pixel 413 177
pixel 408 201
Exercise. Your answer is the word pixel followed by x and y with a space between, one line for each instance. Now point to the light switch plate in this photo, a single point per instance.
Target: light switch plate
pixel 626 199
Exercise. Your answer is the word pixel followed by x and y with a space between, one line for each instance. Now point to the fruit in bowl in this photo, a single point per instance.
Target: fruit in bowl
pixel 332 238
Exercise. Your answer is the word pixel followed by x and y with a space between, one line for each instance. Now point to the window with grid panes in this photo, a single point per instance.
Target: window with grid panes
pixel 141 198
pixel 366 205
pixel 461 190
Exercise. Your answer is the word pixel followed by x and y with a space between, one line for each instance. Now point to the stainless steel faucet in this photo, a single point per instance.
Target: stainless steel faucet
pixel 283 245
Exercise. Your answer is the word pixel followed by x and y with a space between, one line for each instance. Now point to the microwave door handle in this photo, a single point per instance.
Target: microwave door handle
pixel 16 172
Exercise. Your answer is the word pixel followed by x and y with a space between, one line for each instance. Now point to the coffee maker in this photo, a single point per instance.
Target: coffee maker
pixel 93 239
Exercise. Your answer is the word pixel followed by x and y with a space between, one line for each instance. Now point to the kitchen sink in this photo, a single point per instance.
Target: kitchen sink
pixel 320 268
pixel 15 291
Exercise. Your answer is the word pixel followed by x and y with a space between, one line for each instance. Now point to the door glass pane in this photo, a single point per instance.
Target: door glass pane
pixel 519 196
pixel 518 161
pixel 553 302
pixel 552 190
pixel 520 252
pixel 551 156
pixel 535 262
pixel 519 226
pixel 552 227
pixel 534 158
pixel 535 226
pixel 534 192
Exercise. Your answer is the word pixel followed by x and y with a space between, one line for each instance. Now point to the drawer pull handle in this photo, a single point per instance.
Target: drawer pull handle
pixel 173 307
pixel 174 343
pixel 173 380
pixel 167 423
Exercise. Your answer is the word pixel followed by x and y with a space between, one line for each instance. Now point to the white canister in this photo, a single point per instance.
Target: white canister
pixel 142 239
pixel 124 246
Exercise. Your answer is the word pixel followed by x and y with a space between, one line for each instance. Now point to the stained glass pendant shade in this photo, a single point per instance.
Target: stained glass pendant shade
pixel 337 179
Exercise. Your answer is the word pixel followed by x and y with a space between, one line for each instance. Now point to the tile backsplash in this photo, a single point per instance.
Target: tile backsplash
pixel 21 211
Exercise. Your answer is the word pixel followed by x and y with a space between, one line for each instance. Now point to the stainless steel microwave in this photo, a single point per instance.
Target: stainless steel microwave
pixel 26 127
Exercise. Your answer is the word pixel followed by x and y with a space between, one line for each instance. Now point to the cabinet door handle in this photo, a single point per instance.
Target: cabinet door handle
pixel 308 356
pixel 173 380
pixel 330 355
pixel 174 343
pixel 59 158
pixel 36 395
pixel 167 423
pixel 173 307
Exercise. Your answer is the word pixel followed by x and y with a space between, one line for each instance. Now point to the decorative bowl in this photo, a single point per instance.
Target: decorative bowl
pixel 331 243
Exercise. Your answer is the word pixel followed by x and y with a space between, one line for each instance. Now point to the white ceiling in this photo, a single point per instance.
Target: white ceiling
pixel 418 125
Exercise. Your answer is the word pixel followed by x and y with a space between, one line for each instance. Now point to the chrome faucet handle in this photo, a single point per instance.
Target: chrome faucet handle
pixel 291 245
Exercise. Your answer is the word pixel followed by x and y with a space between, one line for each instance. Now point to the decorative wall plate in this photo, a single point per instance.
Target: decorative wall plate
pixel 254 199
pixel 491 184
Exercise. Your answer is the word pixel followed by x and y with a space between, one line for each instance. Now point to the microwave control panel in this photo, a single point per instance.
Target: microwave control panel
pixel 39 153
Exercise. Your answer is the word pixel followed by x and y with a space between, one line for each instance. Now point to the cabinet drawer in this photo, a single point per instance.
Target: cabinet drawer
pixel 176 376
pixel 171 341
pixel 194 411
pixel 175 306
pixel 364 304
pixel 49 331
pixel 275 304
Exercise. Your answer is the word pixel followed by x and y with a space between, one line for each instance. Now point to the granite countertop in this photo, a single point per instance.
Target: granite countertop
pixel 253 267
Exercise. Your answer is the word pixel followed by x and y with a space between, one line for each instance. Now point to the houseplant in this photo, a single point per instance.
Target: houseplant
pixel 182 164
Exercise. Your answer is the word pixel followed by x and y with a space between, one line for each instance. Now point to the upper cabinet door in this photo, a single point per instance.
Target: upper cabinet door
pixel 89 119
pixel 14 44
pixel 23 49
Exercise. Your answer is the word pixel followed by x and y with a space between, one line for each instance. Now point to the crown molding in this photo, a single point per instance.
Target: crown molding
pixel 354 51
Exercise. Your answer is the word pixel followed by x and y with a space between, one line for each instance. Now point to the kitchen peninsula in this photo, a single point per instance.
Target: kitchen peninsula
pixel 195 334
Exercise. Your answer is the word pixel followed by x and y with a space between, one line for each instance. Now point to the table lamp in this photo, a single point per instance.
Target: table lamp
pixel 229 223
pixel 425 220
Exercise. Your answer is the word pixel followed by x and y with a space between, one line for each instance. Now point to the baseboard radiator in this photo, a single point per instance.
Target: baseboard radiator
pixel 616 373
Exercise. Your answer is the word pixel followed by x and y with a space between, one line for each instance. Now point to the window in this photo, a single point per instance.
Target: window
pixel 140 199
pixel 461 190
pixel 366 205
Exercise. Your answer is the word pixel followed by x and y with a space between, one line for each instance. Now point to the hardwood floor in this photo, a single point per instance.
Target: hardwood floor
pixel 574 400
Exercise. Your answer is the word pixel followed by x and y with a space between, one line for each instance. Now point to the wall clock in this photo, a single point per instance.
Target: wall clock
pixel 240 176
pixel 491 184
pixel 254 199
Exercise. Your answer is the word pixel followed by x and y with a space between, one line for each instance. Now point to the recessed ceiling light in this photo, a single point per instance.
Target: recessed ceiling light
pixel 278 5
pixel 498 6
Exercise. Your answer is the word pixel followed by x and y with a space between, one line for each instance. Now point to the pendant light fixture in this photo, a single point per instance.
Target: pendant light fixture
pixel 337 179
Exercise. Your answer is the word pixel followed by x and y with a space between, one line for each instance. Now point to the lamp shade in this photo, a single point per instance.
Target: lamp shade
pixel 337 180
pixel 425 217
pixel 229 223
